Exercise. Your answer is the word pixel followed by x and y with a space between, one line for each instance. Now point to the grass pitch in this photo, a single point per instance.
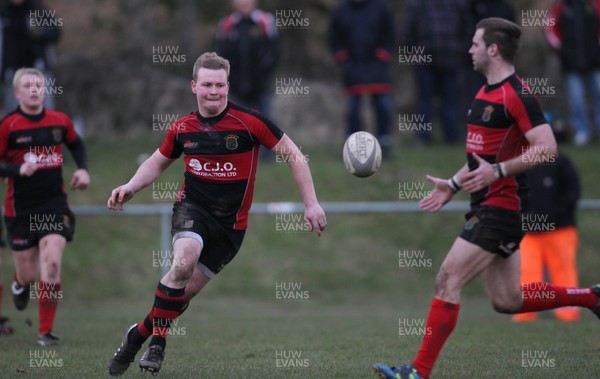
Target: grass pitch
pixel 353 304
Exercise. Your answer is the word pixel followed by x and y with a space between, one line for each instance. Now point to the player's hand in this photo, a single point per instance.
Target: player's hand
pixel 315 217
pixel 441 194
pixel 27 169
pixel 80 179
pixel 119 196
pixel 479 178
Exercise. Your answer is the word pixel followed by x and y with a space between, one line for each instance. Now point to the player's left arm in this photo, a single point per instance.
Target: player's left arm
pixel 542 149
pixel 80 178
pixel 313 213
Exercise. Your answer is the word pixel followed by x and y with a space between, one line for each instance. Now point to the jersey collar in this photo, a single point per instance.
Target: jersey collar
pixel 32 117
pixel 210 121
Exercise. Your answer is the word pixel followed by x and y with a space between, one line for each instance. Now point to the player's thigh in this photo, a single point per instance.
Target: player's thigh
pixel 464 261
pixel 502 282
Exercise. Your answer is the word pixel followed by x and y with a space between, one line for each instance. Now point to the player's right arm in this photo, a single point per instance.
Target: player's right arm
pixel 147 173
pixel 443 190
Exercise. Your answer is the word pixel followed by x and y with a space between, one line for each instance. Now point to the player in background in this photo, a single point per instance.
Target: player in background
pixel 507 136
pixel 220 146
pixel 38 219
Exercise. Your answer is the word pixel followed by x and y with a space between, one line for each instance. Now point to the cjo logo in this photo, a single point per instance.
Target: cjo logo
pixel 213 169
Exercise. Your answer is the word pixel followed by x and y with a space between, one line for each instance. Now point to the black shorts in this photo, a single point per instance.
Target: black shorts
pixel 496 230
pixel 220 244
pixel 25 232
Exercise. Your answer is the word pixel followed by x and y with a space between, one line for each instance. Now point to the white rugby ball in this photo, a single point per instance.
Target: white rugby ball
pixel 362 154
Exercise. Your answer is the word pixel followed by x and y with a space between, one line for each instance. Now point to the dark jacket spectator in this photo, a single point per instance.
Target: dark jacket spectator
pixel 27 31
pixel 575 32
pixel 361 35
pixel 441 27
pixel 555 191
pixel 251 45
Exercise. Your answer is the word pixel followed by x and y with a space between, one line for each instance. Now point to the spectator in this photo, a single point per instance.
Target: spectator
pixel 248 39
pixel 574 33
pixel 28 33
pixel 440 29
pixel 551 239
pixel 361 36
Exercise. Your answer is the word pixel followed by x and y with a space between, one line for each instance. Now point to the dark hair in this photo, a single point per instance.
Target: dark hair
pixel 504 33
pixel 211 61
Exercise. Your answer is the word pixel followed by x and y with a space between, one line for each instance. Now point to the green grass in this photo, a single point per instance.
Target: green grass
pixel 356 291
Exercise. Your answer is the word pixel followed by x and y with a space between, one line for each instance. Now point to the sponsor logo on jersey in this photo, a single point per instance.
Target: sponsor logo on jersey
pixel 24 139
pixel 487 113
pixel 190 145
pixel 474 141
pixel 231 142
pixel 20 241
pixel 210 169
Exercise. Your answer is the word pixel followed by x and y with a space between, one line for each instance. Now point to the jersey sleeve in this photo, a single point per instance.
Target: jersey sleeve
pixel 526 111
pixel 170 146
pixel 266 131
pixel 71 136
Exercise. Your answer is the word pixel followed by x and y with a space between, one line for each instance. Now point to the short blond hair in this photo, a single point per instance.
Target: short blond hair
pixel 26 71
pixel 211 61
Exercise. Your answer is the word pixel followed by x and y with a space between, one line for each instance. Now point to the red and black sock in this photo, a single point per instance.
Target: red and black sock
pixel 144 328
pixel 542 296
pixel 48 295
pixel 440 324
pixel 168 305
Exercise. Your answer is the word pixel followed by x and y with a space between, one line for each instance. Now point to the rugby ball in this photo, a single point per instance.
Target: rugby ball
pixel 362 154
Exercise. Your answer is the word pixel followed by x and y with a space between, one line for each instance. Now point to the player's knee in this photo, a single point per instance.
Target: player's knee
pixel 52 271
pixel 180 271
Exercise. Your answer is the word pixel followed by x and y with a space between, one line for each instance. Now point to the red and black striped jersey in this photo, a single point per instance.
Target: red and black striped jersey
pixel 497 121
pixel 37 139
pixel 221 156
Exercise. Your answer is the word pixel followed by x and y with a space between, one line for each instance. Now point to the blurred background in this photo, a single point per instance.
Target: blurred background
pixel 104 62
